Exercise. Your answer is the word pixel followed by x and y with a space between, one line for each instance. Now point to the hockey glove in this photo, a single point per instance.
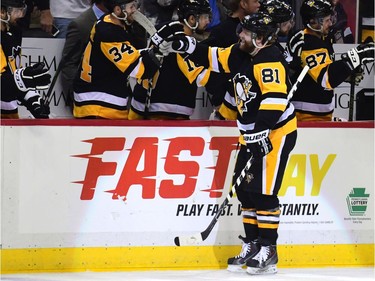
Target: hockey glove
pixel 167 31
pixel 258 143
pixel 356 77
pixel 295 43
pixel 183 44
pixel 34 77
pixel 165 48
pixel 36 105
pixel 151 63
pixel 359 55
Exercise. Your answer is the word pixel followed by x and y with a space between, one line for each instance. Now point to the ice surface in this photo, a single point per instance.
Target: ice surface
pixel 286 274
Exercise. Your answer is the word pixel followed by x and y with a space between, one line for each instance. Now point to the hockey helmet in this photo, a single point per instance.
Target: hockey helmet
pixel 260 24
pixel 187 8
pixel 315 9
pixel 13 3
pixel 279 10
pixel 110 4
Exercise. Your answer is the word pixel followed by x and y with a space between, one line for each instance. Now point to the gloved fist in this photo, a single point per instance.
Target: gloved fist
pixel 36 105
pixel 167 31
pixel 356 77
pixel 183 44
pixel 35 77
pixel 165 48
pixel 258 143
pixel 359 55
pixel 295 43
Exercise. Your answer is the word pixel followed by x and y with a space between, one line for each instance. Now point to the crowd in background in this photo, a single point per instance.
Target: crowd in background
pixel 43 14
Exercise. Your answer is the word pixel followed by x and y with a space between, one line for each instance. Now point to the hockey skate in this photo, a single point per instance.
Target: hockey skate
pixel 249 250
pixel 264 262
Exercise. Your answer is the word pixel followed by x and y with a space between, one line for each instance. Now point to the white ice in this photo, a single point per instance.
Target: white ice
pixel 285 274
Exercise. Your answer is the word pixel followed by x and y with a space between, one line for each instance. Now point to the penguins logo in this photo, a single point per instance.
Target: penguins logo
pixel 242 86
pixel 14 61
pixel 310 3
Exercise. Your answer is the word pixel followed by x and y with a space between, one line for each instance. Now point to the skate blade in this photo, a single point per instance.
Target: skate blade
pixel 235 268
pixel 271 269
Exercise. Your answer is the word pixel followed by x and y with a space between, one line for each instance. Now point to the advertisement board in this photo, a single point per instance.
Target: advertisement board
pixel 141 186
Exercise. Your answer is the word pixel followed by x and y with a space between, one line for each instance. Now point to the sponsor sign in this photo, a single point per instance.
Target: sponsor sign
pixel 135 186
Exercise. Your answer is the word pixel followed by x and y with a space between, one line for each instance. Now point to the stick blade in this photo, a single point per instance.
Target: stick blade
pixel 144 22
pixel 188 240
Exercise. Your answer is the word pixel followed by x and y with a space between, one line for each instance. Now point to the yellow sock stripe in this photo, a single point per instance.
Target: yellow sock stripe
pixel 269 212
pixel 268 225
pixel 250 221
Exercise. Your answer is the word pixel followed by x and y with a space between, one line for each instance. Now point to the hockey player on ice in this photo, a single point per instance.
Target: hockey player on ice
pixel 268 130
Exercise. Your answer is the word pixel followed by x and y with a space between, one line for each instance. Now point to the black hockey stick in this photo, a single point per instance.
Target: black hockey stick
pixel 200 237
pixel 351 96
pixel 151 30
pixel 48 97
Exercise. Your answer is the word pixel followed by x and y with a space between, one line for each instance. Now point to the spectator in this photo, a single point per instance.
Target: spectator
pixel 313 99
pixel 340 29
pixel 109 58
pixel 65 11
pixel 77 37
pixel 159 11
pixel 39 10
pixel 173 94
pixel 224 34
pixel 216 14
pixel 19 84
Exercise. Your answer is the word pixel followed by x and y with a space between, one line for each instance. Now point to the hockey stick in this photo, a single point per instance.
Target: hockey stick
pixel 151 30
pixel 48 97
pixel 351 97
pixel 298 81
pixel 144 22
pixel 200 237
pixel 47 100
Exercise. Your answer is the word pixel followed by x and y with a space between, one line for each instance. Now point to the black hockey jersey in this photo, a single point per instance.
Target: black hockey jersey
pixel 260 89
pixel 100 88
pixel 10 61
pixel 314 96
pixel 258 99
pixel 174 90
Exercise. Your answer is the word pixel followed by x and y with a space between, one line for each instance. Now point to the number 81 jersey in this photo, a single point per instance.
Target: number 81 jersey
pixel 259 93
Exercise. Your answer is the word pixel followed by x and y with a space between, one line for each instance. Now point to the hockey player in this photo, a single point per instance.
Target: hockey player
pixel 313 99
pixel 19 84
pixel 100 87
pixel 224 35
pixel 268 128
pixel 282 13
pixel 173 92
